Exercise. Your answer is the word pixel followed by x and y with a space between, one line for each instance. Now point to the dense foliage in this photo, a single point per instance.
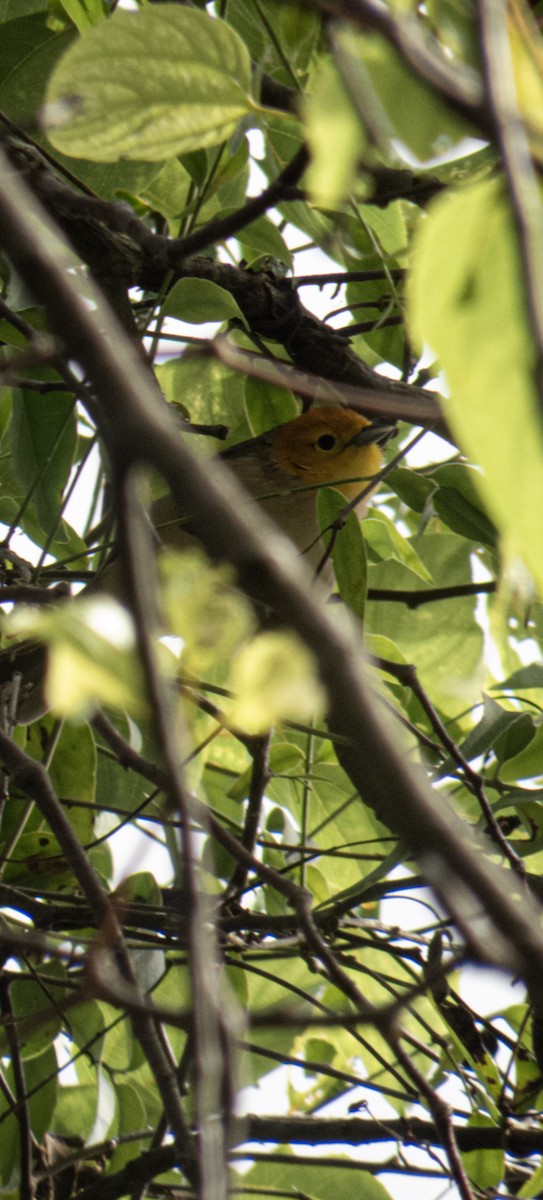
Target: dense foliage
pixel 229 841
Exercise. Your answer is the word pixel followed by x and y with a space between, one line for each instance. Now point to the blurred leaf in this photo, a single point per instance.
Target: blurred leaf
pixel 532 1187
pixel 456 24
pixel 38 859
pixel 29 49
pixel 468 245
pixel 526 48
pixel 527 677
pixel 90 655
pixel 421 122
pixel 84 13
pixel 204 609
pixel 331 118
pixel 311 1181
pixel 274 678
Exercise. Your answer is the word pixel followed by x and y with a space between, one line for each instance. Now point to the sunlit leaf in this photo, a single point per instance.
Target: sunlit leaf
pixel 466 285
pixel 148 85
pixel 329 114
pixel 274 678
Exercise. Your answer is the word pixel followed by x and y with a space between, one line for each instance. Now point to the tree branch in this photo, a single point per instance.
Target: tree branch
pixel 137 427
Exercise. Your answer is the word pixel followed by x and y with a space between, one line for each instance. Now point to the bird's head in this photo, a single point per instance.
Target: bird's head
pixel 334 446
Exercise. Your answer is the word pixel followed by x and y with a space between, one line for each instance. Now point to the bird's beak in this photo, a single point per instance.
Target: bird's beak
pixel 377 432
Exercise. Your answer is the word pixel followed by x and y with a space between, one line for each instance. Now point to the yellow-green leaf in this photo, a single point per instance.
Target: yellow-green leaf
pixel 148 85
pixel 467 302
pixel 90 654
pixel 274 678
pixel 331 120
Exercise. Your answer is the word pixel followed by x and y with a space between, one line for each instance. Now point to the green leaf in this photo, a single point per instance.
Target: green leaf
pixel 386 542
pixel 83 13
pixel 73 773
pixel 415 490
pixel 90 654
pixel 215 393
pixel 267 405
pixel 457 503
pixel 274 678
pixel 485 1168
pixel 526 765
pixel 262 237
pixel 494 722
pixel 466 285
pixel 348 552
pixel 131 1115
pixel 389 225
pixel 297 33
pixel 37 859
pixel 41 1086
pixel 29 50
pixel 200 300
pixel 140 888
pixel 532 1187
pixel 20 8
pixel 401 105
pixel 87 1028
pixel 36 1029
pixel 149 85
pixel 44 442
pixel 516 738
pixel 526 678
pixel 119 1042
pixel 75 1109
pixel 331 120
pixel 313 1182
pixel 437 634
pixel 168 191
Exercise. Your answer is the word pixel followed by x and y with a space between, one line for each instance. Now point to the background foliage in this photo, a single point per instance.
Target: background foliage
pixel 203 161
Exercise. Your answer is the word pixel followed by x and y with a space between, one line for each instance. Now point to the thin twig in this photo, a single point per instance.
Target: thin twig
pixel 21 1111
pixel 210 1036
pixel 406 673
pixel 260 776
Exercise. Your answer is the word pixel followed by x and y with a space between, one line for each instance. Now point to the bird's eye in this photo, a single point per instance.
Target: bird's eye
pixel 326 441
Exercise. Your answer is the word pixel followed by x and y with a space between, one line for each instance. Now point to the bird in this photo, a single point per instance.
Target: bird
pixel 281 470
pixel 284 468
